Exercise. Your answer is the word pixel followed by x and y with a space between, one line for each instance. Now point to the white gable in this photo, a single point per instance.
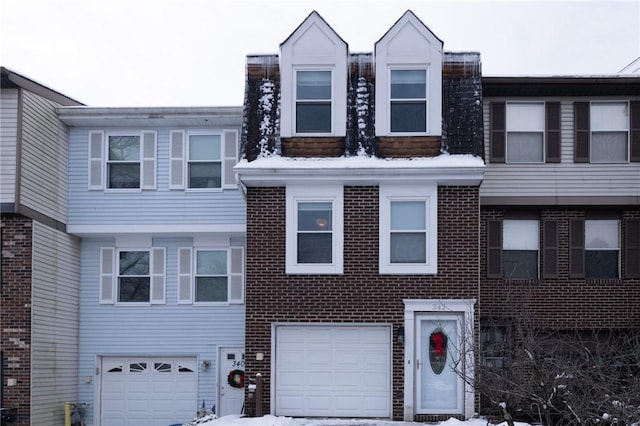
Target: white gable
pixel 314 44
pixel 409 43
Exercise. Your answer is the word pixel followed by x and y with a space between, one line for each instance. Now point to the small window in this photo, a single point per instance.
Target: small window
pixel 123 161
pixel 134 277
pixel 609 132
pixel 602 248
pixel 205 162
pixel 313 101
pixel 493 341
pixel 314 229
pixel 525 124
pixel 408 101
pixel 408 232
pixel 520 249
pixel 211 283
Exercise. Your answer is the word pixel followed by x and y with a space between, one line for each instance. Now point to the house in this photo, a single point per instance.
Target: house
pixel 362 176
pixel 40 260
pixel 154 203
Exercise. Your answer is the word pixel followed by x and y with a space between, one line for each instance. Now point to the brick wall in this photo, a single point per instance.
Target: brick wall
pixel 360 294
pixel 562 302
pixel 15 313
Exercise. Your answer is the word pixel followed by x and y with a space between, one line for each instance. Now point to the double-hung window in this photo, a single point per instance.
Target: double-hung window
pixel 204 167
pixel 134 275
pixel 211 281
pixel 602 248
pixel 123 161
pixel 314 229
pixel 609 132
pixel 313 101
pixel 408 229
pixel 525 127
pixel 520 245
pixel 408 101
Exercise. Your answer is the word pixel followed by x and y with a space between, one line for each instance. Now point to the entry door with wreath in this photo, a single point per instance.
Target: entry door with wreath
pixel 231 381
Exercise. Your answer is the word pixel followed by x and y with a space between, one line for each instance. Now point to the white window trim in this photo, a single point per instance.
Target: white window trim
pixel 107 135
pixel 627 130
pixel 332 102
pixel 153 275
pixel 194 267
pixel 187 161
pixel 427 94
pixel 543 131
pixel 538 248
pixel 332 193
pixel 422 192
pixel 617 249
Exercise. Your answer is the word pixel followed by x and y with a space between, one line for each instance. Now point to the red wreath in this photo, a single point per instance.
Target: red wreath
pixel 236 378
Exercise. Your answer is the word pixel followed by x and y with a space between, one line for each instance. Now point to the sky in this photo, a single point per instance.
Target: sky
pixel 193 52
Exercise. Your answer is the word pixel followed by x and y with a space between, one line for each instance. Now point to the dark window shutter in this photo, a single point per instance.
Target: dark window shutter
pixel 576 248
pixel 582 131
pixel 550 249
pixel 498 135
pixel 494 249
pixel 632 248
pixel 635 131
pixel 552 131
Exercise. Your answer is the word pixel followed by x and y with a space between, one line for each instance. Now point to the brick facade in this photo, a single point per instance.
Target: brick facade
pixel 15 313
pixel 360 294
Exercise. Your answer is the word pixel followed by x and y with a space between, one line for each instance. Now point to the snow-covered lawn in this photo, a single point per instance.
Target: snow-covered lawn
pixel 288 421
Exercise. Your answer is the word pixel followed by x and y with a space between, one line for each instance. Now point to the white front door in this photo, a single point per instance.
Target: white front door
pixel 231 397
pixel 439 387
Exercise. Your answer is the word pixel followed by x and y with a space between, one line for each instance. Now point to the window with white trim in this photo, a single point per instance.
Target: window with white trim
pixel 313 101
pixel 210 281
pixel 408 101
pixel 525 125
pixel 609 132
pixel 314 229
pixel 204 162
pixel 520 249
pixel 123 161
pixel 602 248
pixel 408 229
pixel 132 275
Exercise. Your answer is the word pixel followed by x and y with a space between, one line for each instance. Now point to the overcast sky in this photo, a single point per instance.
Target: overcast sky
pixel 192 52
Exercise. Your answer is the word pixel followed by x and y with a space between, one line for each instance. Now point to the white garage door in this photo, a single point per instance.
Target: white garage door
pixel 333 371
pixel 148 391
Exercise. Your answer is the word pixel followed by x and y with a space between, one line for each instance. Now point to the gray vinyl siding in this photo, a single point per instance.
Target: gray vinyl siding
pixel 43 185
pixel 8 143
pixel 55 297
pixel 565 179
pixel 168 329
pixel 160 206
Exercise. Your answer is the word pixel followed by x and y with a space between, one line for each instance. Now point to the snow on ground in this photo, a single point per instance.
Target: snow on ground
pixel 288 421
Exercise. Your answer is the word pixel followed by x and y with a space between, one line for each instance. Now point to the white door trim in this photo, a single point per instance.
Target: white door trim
pixel 466 307
pixel 219 372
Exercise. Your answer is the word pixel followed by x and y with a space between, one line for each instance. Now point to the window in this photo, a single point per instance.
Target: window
pixel 134 276
pixel 602 248
pixel 525 132
pixel 314 229
pixel 408 229
pixel 408 101
pixel 204 161
pixel 609 132
pixel 520 249
pixel 313 101
pixel 211 276
pixel 493 341
pixel 123 161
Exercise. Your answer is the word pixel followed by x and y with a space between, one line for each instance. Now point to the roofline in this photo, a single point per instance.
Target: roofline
pixel 314 12
pixel 20 81
pixel 604 85
pixel 408 12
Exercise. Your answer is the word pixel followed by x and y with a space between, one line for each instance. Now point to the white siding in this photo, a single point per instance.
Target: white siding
pixel 154 330
pixel 566 179
pixel 56 274
pixel 43 185
pixel 8 140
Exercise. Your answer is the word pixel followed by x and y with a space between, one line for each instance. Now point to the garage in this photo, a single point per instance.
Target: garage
pixel 149 391
pixel 332 371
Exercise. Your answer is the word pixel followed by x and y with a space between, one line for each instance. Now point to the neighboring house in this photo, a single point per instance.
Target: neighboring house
pixel 362 259
pixel 40 261
pixel 560 204
pixel 154 201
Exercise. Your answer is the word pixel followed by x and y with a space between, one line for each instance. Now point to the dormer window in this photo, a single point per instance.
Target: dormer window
pixel 313 101
pixel 408 101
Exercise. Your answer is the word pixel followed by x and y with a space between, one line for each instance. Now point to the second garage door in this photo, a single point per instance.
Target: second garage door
pixel 333 371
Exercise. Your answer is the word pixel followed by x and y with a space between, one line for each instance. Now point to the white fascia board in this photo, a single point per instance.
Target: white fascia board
pixel 165 230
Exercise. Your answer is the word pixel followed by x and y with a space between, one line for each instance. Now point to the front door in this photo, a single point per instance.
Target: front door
pixel 439 384
pixel 230 381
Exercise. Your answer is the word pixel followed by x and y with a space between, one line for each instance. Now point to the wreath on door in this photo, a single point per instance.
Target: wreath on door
pixel 236 378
